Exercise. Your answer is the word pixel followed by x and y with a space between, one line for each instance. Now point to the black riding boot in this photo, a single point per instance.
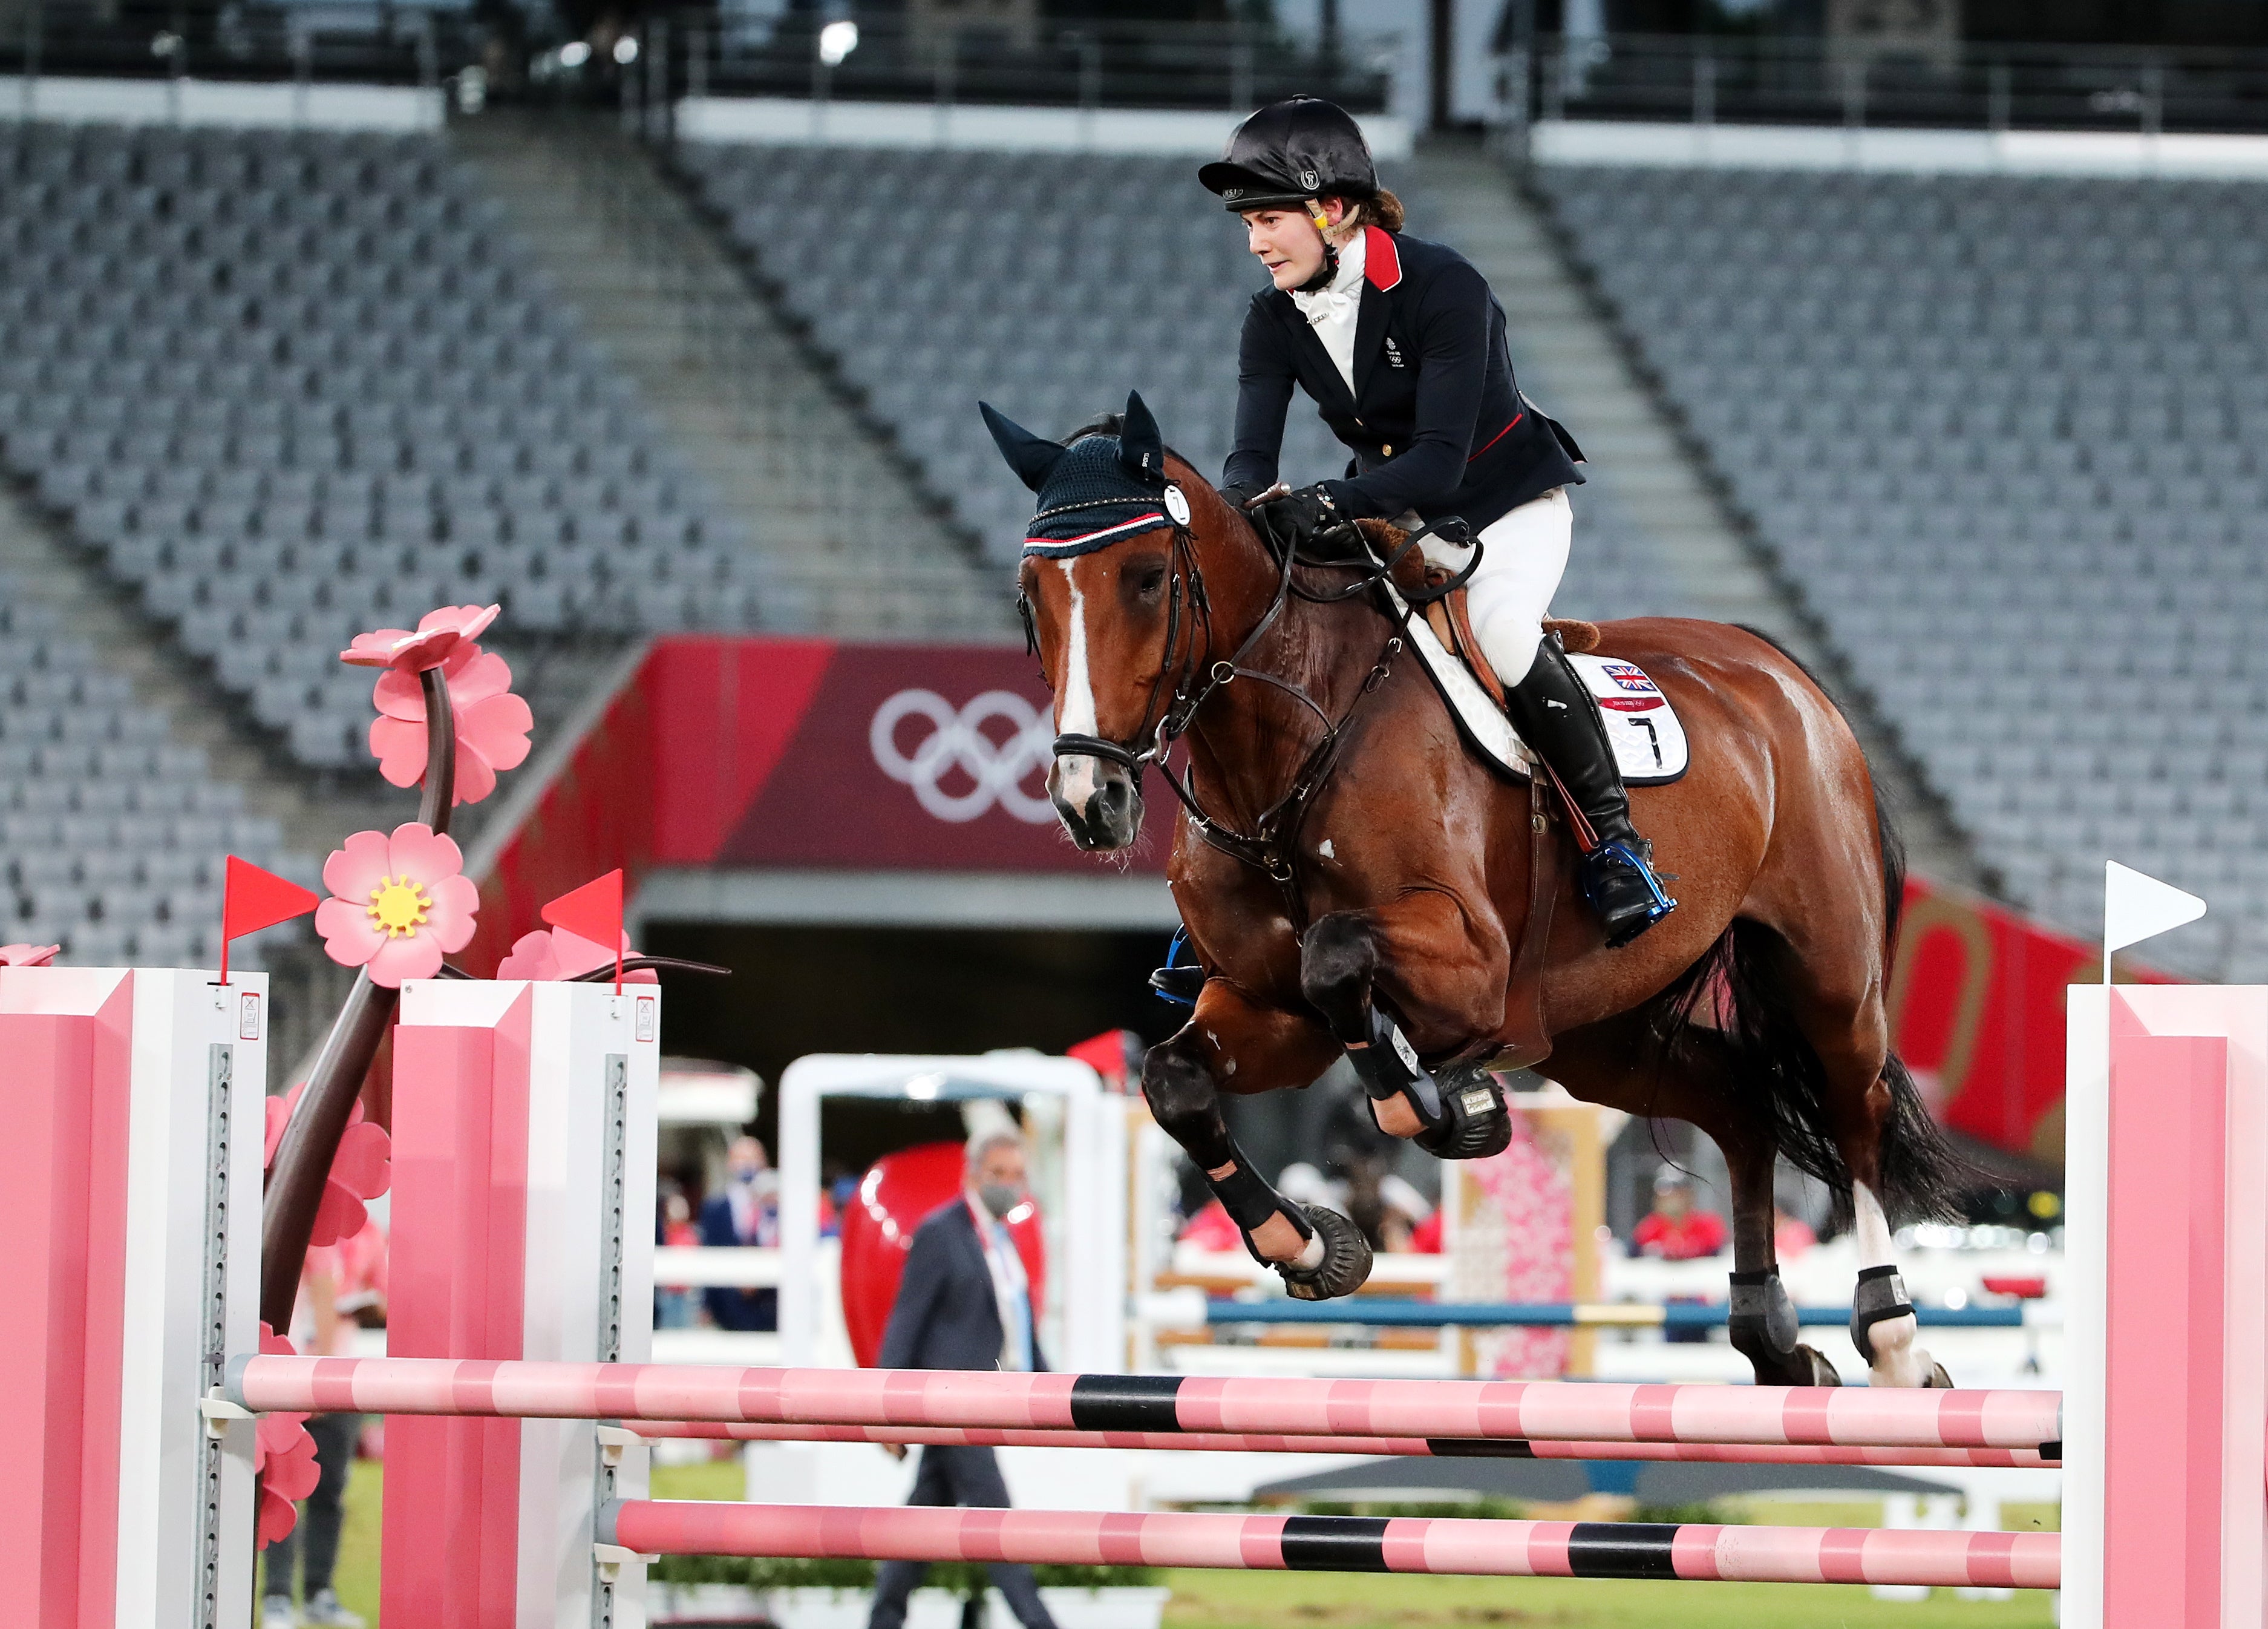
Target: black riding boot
pixel 1552 709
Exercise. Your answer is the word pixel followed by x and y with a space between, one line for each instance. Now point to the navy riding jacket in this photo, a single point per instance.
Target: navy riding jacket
pixel 1437 422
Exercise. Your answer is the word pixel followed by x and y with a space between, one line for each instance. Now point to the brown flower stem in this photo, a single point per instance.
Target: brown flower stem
pixel 311 1140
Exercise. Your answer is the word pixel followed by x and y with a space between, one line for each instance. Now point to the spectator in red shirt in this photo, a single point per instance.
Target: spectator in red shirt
pixel 1677 1229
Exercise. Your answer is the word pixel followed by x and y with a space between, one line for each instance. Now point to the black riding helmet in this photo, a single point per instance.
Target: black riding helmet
pixel 1291 152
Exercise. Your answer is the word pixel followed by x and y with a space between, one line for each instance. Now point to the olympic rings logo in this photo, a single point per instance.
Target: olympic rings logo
pixel 958 740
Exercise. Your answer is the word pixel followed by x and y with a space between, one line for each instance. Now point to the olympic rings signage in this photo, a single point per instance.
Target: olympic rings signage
pixel 985 752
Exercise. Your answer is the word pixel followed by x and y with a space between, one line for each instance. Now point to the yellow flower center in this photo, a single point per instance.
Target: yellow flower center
pixel 399 904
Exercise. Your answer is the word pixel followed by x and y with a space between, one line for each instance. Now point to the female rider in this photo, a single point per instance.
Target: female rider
pixel 1402 346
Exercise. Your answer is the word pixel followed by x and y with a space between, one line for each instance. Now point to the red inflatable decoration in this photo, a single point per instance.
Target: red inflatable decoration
pixel 897 1192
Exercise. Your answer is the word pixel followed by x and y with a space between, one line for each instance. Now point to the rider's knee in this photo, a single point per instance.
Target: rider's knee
pixel 1338 962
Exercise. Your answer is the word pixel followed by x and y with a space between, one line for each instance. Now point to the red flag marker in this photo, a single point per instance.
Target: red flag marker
pixel 593 911
pixel 252 899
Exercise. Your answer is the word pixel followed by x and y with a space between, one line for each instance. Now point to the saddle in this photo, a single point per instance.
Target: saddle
pixel 1447 617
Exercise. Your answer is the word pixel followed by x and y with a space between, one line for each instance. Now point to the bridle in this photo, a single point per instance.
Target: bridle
pixel 1189 677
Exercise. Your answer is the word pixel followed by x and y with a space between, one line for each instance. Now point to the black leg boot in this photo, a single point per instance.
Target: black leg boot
pixel 1552 709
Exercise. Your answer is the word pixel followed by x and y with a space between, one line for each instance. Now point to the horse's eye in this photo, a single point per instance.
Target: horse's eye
pixel 1150 582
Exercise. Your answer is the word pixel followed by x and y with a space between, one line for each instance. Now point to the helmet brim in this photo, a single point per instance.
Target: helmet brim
pixel 1240 188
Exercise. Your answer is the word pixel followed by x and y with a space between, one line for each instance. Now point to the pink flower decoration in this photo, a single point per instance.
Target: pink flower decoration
pixel 438 634
pixel 361 1171
pixel 284 1459
pixel 554 953
pixel 399 904
pixel 492 724
pixel 27 956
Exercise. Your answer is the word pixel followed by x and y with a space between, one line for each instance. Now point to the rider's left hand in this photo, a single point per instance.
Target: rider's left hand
pixel 1299 517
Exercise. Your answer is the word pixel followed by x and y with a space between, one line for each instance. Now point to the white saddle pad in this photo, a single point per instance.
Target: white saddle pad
pixel 1649 742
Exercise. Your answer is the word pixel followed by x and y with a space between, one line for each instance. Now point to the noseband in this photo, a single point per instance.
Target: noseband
pixel 1190 677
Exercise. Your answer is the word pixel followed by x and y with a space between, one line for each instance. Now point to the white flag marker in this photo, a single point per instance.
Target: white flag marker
pixel 2136 907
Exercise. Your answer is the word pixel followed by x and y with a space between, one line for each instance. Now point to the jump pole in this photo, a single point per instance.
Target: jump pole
pixel 524 1192
pixel 131 1222
pixel 1811 1555
pixel 1568 1410
pixel 1417 1447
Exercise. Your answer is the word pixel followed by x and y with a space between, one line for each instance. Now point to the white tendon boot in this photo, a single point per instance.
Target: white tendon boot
pixel 1882 1322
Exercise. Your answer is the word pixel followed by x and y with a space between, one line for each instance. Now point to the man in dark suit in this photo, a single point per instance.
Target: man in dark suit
pixel 964 1304
pixel 746 1212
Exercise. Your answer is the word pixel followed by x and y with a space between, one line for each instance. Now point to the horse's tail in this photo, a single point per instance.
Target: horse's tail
pixel 1737 986
pixel 1922 1175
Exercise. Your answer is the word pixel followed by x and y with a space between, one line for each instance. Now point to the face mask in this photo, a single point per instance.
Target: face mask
pixel 1000 1198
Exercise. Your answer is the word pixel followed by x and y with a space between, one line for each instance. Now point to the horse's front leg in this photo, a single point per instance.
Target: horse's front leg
pixel 1418 973
pixel 1234 1044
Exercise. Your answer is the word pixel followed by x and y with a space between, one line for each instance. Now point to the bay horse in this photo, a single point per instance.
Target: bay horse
pixel 1343 852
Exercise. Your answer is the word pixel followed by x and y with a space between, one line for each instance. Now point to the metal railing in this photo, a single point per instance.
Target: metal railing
pixel 1733 79
pixel 382 44
pixel 1095 62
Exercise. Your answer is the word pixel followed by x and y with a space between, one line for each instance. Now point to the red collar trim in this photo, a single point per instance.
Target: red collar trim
pixel 1381 262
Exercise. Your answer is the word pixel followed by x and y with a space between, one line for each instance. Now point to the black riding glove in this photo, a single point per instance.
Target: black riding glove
pixel 1299 518
pixel 1236 496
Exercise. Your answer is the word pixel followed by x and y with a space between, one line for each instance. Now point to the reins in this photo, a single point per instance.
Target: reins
pixel 1196 678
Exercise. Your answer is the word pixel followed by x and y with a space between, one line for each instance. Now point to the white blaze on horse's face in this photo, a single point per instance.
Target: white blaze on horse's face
pixel 1096 799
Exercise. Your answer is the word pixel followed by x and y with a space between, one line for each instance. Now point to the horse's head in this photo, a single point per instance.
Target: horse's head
pixel 1115 616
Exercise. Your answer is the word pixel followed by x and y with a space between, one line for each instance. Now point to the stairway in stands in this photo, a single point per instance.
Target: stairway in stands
pixel 785 458
pixel 1649 500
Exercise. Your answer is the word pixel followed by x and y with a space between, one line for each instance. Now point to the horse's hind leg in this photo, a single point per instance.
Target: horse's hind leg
pixel 1876 1117
pixel 1618 1062
pixel 1319 1253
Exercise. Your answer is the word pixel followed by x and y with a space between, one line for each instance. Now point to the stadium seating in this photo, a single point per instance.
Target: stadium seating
pixel 112 833
pixel 290 386
pixel 1049 285
pixel 2004 435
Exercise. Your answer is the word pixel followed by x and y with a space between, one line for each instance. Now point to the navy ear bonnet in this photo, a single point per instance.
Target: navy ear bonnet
pixel 1096 491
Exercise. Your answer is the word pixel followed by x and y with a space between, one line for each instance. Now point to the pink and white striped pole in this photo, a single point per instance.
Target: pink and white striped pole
pixel 1435 1448
pixel 1496 1410
pixel 1810 1555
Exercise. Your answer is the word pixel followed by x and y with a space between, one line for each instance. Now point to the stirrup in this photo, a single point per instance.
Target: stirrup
pixel 1606 873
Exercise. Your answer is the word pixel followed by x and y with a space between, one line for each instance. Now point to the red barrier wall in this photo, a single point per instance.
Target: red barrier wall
pixel 764 753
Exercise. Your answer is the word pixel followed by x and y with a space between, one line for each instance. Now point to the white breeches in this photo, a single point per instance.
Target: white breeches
pixel 1523 555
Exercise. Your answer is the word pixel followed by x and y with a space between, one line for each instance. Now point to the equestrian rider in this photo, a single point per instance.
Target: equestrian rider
pixel 1402 345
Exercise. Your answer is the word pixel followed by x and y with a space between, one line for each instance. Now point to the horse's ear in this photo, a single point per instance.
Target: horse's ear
pixel 1140 448
pixel 1032 457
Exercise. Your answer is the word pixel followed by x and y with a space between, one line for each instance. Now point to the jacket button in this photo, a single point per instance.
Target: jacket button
pixel 1386 452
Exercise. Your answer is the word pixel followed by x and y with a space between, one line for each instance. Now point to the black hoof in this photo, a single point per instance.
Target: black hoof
pixel 1806 1366
pixel 1938 1379
pixel 1346 1265
pixel 1475 1123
